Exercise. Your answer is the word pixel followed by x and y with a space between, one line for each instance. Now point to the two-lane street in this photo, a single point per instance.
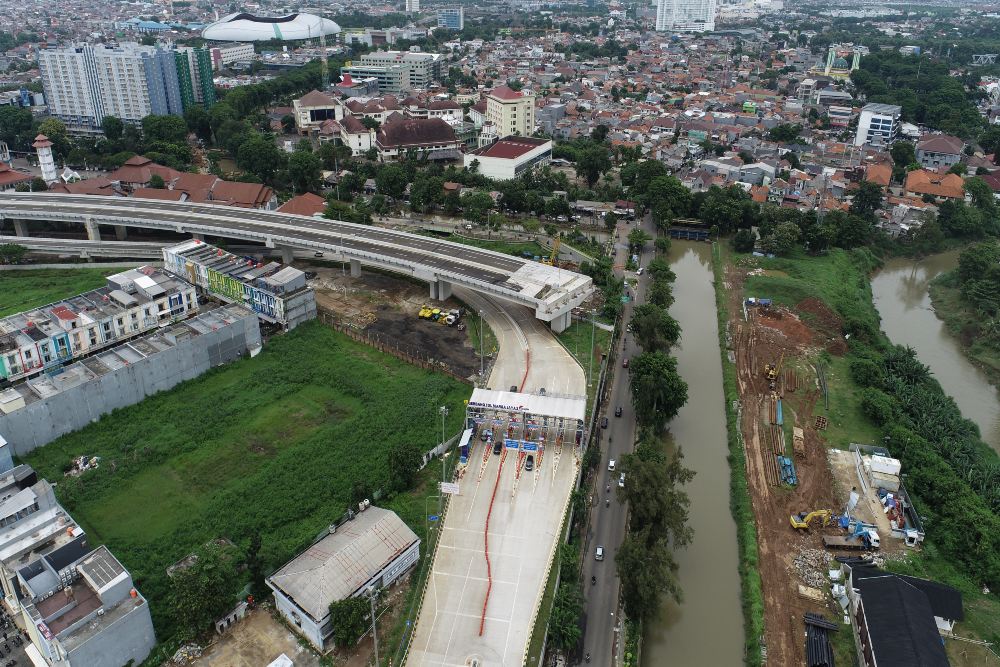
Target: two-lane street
pixel 608 515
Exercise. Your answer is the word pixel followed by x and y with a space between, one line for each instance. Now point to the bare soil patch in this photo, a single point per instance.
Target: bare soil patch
pixel 777 336
pixel 386 307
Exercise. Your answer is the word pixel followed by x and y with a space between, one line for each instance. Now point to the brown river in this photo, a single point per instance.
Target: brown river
pixel 903 302
pixel 707 629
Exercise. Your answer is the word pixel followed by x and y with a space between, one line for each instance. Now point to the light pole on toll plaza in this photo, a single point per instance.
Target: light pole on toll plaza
pixel 444 413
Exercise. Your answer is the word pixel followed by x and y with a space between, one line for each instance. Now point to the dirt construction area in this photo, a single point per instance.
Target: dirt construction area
pixel 773 412
pixel 386 307
pixel 256 640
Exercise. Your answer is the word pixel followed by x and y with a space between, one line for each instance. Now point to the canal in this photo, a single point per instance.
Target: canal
pixel 901 296
pixel 707 628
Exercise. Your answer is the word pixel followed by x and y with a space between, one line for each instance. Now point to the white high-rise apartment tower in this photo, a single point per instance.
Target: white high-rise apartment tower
pixel 412 6
pixel 685 15
pixel 85 83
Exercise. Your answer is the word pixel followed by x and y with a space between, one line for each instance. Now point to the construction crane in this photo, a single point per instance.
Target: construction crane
pixel 324 66
pixel 802 520
pixel 554 255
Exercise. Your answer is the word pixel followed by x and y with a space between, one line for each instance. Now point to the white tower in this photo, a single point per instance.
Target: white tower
pixel 488 135
pixel 43 147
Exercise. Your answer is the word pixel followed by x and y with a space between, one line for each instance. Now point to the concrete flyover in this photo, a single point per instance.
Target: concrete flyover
pixel 87 249
pixel 550 292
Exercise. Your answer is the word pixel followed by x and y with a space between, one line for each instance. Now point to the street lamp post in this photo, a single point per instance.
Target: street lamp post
pixel 593 326
pixel 371 598
pixel 481 367
pixel 444 413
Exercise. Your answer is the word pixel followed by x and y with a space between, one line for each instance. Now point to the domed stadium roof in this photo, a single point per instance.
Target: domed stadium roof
pixel 840 63
pixel 250 28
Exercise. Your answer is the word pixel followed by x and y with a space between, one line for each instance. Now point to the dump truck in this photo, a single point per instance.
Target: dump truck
pixel 867 540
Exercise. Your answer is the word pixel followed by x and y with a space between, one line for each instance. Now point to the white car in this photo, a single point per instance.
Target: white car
pixel 599 554
pixel 621 481
pixel 639 271
pixel 611 465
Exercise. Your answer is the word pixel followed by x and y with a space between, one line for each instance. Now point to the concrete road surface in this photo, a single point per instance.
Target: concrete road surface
pixel 524 525
pixel 607 522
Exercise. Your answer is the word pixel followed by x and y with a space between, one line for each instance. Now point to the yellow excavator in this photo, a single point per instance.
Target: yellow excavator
pixel 804 520
pixel 771 372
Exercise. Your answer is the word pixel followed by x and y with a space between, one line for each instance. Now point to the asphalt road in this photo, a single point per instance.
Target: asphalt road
pixel 607 521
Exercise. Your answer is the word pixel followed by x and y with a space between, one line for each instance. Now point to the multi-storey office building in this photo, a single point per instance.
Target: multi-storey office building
pixel 397 71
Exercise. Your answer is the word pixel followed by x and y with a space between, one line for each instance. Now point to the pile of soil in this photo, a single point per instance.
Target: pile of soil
pixel 797 333
pixel 822 316
pixel 824 321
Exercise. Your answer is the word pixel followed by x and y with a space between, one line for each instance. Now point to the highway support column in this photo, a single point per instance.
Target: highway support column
pixel 440 290
pixel 93 231
pixel 561 322
pixel 121 233
pixel 21 228
pixel 287 254
pixel 355 268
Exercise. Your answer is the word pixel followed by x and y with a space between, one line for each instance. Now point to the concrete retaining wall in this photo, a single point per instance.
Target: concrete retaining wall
pixel 43 421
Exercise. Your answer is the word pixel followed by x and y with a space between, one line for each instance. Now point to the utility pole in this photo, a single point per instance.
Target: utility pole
pixel 593 326
pixel 481 368
pixel 444 413
pixel 371 598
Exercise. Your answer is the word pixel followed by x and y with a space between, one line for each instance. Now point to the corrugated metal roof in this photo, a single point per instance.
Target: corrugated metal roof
pixel 339 564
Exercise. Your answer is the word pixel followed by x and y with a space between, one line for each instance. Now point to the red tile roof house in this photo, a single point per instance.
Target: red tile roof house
pixel 305 204
pixel 134 177
pixel 10 179
pixel 431 137
pixel 939 186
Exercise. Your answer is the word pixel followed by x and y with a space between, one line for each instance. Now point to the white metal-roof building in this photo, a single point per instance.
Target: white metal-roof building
pixel 373 549
pixel 249 28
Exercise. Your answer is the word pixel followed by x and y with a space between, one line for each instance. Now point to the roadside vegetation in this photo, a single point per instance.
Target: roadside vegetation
pixel 952 475
pixel 658 505
pixel 267 451
pixel 751 591
pixel 24 290
pixel 967 299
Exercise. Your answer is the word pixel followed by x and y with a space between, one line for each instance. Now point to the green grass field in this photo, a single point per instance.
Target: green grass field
pixel 577 339
pixel 23 290
pixel 271 444
pixel 834 280
pixel 506 247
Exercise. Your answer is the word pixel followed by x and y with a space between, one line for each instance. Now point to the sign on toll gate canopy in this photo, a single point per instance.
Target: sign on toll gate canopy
pixel 450 488
pixel 511 444
pixel 529 446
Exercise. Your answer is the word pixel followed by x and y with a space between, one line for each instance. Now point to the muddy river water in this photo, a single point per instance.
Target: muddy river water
pixel 901 297
pixel 707 629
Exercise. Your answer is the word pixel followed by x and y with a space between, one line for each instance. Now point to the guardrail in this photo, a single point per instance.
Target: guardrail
pixel 152 218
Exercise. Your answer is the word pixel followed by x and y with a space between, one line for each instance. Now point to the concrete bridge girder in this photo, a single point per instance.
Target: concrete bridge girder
pixel 557 316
